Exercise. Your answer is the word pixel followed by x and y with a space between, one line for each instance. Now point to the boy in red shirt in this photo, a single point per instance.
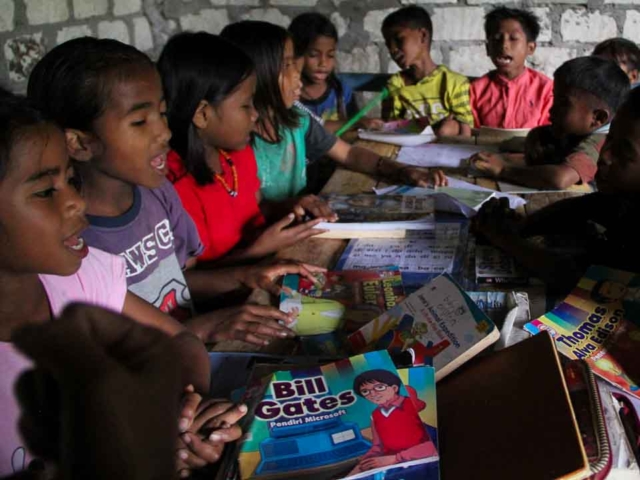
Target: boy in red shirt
pixel 512 95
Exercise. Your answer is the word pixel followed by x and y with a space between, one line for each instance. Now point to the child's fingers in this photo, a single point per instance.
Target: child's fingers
pixel 225 435
pixel 261 331
pixel 266 313
pixel 219 428
pixel 189 405
pixel 284 222
pixel 213 409
pixel 201 452
pixel 187 460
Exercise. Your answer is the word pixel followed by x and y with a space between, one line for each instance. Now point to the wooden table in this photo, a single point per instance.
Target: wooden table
pixel 326 252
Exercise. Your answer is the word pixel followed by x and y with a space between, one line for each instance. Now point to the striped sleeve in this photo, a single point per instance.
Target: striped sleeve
pixel 459 101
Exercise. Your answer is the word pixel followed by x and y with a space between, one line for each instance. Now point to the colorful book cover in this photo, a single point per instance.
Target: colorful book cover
pixel 495 266
pixel 351 419
pixel 592 324
pixel 440 323
pixel 347 299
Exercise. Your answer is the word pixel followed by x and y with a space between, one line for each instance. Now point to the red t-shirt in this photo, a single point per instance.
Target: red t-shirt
pixel 222 220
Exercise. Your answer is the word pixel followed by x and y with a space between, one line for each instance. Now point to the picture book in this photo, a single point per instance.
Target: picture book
pixel 356 418
pixel 347 299
pixel 509 416
pixel 401 132
pixel 421 256
pixel 592 324
pixel 442 325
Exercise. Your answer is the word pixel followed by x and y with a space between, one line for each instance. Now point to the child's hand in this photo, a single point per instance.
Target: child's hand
pixel 314 206
pixel 377 462
pixel 265 276
pixel 372 123
pixel 214 425
pixel 489 163
pixel 281 235
pixel 256 324
pixel 422 177
pixel 497 221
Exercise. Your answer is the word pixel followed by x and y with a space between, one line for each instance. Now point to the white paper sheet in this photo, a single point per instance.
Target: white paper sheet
pixel 432 251
pixel 440 155
pixel 402 139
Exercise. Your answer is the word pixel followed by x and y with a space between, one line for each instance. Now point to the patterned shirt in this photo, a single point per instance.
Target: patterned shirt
pixel 436 96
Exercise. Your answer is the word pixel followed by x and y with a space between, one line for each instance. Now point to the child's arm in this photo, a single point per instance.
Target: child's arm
pixel 195 360
pixel 459 106
pixel 362 160
pixel 555 177
pixel 498 225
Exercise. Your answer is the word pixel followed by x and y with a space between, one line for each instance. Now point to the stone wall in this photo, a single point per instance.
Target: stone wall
pixel 569 27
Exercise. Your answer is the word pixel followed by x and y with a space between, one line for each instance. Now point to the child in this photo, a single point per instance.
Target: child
pixel 602 220
pixel 587 93
pixel 398 432
pixel 45 263
pixel 285 136
pixel 422 88
pixel 108 97
pixel 209 84
pixel 512 95
pixel 625 53
pixel 315 39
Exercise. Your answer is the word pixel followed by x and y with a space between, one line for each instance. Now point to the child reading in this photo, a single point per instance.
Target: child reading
pixel 587 93
pixel 625 53
pixel 599 220
pixel 108 97
pixel 209 85
pixel 423 89
pixel 285 136
pixel 46 265
pixel 398 432
pixel 512 95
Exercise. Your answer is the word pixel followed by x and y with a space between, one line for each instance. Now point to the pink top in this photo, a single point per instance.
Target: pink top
pixel 523 102
pixel 99 281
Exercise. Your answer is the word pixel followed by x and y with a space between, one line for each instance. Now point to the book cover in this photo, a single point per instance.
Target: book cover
pixel 592 324
pixel 442 325
pixel 355 418
pixel 494 266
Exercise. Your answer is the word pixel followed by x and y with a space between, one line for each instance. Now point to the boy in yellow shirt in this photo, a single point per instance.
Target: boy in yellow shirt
pixel 422 88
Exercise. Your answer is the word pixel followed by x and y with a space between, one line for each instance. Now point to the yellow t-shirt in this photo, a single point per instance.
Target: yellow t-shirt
pixel 437 95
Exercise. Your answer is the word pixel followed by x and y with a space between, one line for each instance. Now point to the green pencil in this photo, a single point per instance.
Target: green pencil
pixel 363 111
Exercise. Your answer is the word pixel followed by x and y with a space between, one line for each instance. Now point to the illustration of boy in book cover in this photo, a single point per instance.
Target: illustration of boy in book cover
pixel 311 423
pixel 398 432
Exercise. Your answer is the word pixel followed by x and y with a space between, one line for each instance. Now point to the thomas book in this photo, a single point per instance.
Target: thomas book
pixel 439 323
pixel 356 418
pixel 593 324
pixel 346 299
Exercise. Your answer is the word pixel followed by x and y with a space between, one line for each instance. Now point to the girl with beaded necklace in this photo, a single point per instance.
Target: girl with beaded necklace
pixel 209 86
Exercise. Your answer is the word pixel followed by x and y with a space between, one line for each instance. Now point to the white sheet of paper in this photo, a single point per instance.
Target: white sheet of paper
pixel 433 251
pixel 440 155
pixel 402 139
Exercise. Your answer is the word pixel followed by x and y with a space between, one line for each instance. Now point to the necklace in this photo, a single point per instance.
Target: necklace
pixel 231 191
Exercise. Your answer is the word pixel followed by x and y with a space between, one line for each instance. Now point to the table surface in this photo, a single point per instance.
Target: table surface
pixel 326 252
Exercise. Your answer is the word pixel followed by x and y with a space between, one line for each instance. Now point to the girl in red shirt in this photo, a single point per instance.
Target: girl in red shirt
pixel 209 85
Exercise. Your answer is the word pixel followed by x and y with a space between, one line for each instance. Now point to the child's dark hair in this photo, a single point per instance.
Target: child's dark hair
pixel 413 17
pixel 17 117
pixel 195 67
pixel 597 76
pixel 376 375
pixel 527 20
pixel 72 82
pixel 305 28
pixel 620 50
pixel 264 43
pixel 632 104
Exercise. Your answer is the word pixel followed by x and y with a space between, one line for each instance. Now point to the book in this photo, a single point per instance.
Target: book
pixel 508 415
pixel 357 418
pixel 441 155
pixel 345 299
pixel 401 132
pixel 501 134
pixel 592 324
pixel 442 325
pixel 493 266
pixel 377 216
pixel 421 256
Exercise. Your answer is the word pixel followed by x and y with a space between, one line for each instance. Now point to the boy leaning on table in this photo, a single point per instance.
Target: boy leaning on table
pixel 601 222
pixel 587 93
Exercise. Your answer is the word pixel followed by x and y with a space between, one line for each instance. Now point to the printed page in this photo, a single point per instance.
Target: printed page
pixel 440 155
